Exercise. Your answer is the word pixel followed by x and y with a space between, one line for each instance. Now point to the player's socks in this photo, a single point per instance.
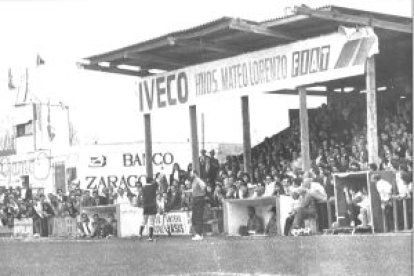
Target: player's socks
pixel 151 232
pixel 141 229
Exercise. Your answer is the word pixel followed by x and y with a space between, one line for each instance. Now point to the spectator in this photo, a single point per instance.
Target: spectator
pixel 254 223
pixel 306 208
pixel 177 174
pixel 204 165
pixel 271 227
pixel 213 167
pixel 384 189
pixel 122 197
pixel 85 226
pixel 43 212
pixel 174 198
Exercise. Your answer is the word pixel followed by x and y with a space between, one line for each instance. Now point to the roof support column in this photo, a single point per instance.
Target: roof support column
pixel 304 130
pixel 194 138
pixel 148 145
pixel 247 148
pixel 372 131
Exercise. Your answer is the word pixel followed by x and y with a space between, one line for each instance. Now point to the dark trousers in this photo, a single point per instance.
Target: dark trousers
pixel 288 224
pixel 301 215
pixel 41 226
pixel 198 213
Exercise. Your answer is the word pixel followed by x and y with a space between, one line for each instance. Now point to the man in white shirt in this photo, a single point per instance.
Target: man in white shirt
pixel 384 189
pixel 270 188
pixel 315 189
pixel 122 198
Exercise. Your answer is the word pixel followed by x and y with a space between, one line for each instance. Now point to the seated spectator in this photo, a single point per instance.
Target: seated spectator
pixel 85 226
pixel 60 196
pixel 112 226
pixel 306 208
pixel 217 200
pixel 270 186
pixel 98 225
pixel 254 223
pixel 86 200
pixel 271 227
pixel 286 186
pixel 293 210
pixel 10 212
pixel 70 210
pixel 243 192
pixel 97 200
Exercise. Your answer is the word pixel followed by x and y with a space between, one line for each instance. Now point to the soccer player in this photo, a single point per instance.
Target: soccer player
pixel 149 194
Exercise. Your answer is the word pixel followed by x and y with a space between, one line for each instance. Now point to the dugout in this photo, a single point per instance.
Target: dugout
pixel 360 180
pixel 236 212
pixel 332 47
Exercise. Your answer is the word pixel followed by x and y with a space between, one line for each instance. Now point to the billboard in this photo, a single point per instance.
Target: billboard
pixel 122 165
pixel 328 57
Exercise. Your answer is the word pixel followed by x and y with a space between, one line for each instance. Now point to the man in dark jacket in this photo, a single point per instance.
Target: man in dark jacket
pixel 40 219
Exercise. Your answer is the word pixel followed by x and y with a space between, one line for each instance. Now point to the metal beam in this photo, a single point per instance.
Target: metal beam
pixel 211 46
pixel 155 59
pixel 261 30
pixel 354 19
pixel 119 54
pixel 115 70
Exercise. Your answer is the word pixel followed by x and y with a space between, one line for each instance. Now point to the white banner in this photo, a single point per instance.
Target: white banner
pixel 333 56
pixel 122 165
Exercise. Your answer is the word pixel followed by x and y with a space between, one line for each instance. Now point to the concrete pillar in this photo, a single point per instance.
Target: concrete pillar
pixel 304 130
pixel 148 145
pixel 372 131
pixel 247 147
pixel 194 138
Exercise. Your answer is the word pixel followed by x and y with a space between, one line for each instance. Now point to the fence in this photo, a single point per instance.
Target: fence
pixel 64 227
pixel 23 228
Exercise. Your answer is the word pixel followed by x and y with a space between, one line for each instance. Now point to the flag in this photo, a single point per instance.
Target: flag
pixel 10 83
pixel 39 60
pixel 50 128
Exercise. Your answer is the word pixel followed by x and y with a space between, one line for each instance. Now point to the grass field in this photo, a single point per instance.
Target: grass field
pixel 312 255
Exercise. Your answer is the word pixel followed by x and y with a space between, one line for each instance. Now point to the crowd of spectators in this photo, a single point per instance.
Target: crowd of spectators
pixel 338 143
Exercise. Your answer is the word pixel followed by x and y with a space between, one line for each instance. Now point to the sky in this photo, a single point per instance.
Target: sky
pixel 103 107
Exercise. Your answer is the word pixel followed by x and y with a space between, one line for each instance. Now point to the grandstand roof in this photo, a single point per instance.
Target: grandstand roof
pixel 227 37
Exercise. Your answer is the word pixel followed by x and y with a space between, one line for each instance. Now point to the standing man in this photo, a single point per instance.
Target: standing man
pixel 214 168
pixel 199 192
pixel 204 165
pixel 149 194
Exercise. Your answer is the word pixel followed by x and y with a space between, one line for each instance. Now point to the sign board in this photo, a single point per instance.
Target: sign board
pixel 38 166
pixel 23 227
pixel 333 56
pixel 64 227
pixel 177 223
pixel 123 165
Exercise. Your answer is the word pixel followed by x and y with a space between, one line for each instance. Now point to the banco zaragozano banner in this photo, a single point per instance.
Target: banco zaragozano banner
pixel 333 56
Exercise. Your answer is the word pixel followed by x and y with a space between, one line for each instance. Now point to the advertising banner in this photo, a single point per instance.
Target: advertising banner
pixel 38 166
pixel 177 223
pixel 328 57
pixel 123 165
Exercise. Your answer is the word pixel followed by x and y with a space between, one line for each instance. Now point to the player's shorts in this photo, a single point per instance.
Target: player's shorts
pixel 151 210
pixel 149 220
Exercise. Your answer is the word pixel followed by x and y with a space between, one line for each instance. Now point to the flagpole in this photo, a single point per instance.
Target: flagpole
pixel 34 126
